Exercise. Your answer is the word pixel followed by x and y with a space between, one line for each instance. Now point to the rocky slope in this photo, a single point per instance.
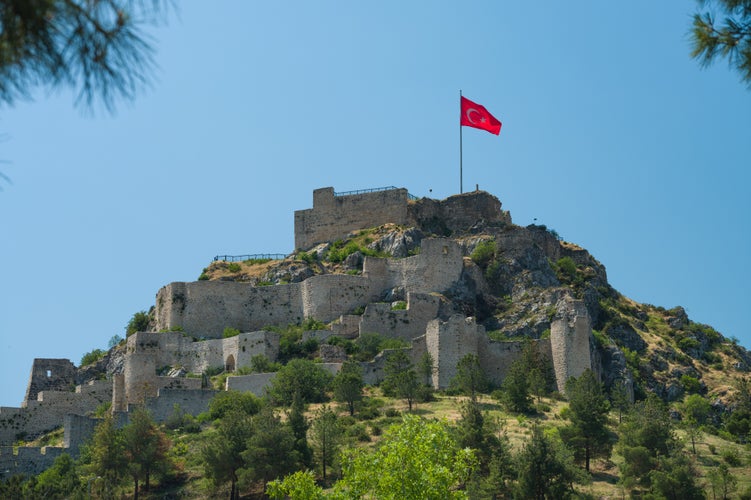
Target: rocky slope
pixel 512 278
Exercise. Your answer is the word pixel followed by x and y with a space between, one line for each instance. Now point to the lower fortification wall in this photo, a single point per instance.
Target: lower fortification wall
pixel 47 412
pixel 27 460
pixel 405 324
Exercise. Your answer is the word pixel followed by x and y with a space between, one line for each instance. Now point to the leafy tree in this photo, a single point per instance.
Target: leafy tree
pixel 348 384
pixel 325 434
pixel 145 448
pixel 300 375
pixel 538 368
pixel 298 486
pixel 222 454
pixel 260 363
pixel 271 449
pixel 416 459
pixel 470 378
pixel 730 40
pixel 695 410
pixel 722 482
pixel 401 378
pixel 58 481
pixel 233 401
pixel 138 323
pixel 545 469
pixel 114 341
pixel 97 47
pixel 588 412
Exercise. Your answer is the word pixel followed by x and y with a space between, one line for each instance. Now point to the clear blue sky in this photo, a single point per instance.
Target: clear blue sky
pixel 611 135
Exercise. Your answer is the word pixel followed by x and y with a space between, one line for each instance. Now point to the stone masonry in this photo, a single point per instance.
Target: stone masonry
pixel 162 370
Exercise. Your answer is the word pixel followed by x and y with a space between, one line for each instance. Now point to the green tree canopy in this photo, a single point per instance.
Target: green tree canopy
pixel 417 459
pixel 401 377
pixel 303 376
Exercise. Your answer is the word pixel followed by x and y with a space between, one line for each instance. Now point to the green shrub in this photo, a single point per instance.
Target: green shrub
pixel 399 305
pixel 92 357
pixel 234 267
pixel 484 253
pixel 690 384
pixel 731 457
pixel 307 257
pixel 253 262
pixel 139 322
pixel 567 267
pixel 230 332
pixel 204 276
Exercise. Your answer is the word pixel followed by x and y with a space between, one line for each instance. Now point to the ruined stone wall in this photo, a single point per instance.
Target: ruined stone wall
pixel 570 332
pixel 457 213
pixel 496 357
pixel 149 353
pixel 206 308
pixel 448 342
pixel 47 412
pixel 403 324
pixel 192 401
pixel 50 375
pixel 438 266
pixel 255 383
pixel 333 217
pixel 328 296
pixel 27 460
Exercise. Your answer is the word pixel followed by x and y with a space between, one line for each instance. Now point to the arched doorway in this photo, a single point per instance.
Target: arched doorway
pixel 229 365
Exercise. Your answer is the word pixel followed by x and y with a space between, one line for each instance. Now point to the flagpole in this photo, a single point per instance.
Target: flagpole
pixel 460 143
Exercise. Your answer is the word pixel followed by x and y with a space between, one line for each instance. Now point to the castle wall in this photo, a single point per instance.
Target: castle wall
pixel 438 266
pixel 448 342
pixel 27 460
pixel 333 217
pixel 255 383
pixel 496 357
pixel 403 324
pixel 47 412
pixel 192 401
pixel 148 353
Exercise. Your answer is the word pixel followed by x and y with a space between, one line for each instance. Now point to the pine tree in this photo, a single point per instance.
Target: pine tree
pixel 401 378
pixel 588 412
pixel 348 384
pixel 325 434
pixel 145 448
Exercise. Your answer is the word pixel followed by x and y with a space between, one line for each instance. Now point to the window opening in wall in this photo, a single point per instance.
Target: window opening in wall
pixel 49 373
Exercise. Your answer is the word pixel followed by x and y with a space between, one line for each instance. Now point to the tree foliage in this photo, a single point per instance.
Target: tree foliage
pixel 470 378
pixel 145 448
pixel 302 376
pixel 401 377
pixel 325 436
pixel 588 411
pixel 417 459
pixel 545 468
pixel 139 322
pixel 223 453
pixel 98 48
pixel 729 38
pixel 348 385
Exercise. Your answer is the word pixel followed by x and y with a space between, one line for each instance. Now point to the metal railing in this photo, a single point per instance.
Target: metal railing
pixel 253 256
pixel 373 190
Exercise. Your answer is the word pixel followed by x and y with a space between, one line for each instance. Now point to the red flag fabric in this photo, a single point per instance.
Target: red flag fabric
pixel 474 115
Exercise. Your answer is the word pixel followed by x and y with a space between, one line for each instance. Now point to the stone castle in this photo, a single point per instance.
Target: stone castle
pixel 162 368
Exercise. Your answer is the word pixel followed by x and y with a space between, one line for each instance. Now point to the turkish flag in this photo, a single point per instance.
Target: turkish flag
pixel 474 115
